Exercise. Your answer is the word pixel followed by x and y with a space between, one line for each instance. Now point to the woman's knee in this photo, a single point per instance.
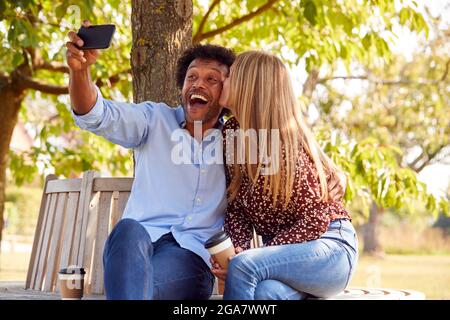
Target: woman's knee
pixel 241 263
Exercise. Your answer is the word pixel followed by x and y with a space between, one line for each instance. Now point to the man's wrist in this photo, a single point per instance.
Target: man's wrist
pixel 80 75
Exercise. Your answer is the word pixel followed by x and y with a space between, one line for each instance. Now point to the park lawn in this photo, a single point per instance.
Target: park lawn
pixel 14 266
pixel 429 274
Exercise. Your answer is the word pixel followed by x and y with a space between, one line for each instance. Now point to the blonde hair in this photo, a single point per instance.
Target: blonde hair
pixel 262 97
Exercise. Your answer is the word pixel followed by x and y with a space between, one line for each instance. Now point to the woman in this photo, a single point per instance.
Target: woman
pixel 310 246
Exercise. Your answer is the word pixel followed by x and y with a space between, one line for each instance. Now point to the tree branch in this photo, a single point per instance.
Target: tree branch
pixel 39 63
pixel 203 22
pixel 29 83
pixel 235 22
pixel 112 79
pixel 52 66
pixel 429 158
pixel 416 160
pixel 310 83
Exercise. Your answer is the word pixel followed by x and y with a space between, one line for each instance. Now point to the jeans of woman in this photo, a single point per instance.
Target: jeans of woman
pixel 319 268
pixel 137 268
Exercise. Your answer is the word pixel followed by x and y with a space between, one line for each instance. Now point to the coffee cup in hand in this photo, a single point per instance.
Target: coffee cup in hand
pixel 71 280
pixel 221 248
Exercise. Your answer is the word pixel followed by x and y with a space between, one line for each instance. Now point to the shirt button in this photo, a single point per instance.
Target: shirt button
pixel 189 218
pixel 202 170
pixel 199 200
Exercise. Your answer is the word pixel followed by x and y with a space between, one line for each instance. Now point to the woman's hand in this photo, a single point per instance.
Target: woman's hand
pixel 217 270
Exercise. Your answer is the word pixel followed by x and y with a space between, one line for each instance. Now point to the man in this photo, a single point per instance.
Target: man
pixel 156 250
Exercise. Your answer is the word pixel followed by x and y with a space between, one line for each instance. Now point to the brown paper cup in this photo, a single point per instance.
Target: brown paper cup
pixel 71 283
pixel 221 251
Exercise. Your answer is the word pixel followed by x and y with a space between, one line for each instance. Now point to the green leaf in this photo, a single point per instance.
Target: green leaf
pixel 367 41
pixel 17 59
pixel 61 10
pixel 343 53
pixel 2 9
pixel 404 15
pixel 310 12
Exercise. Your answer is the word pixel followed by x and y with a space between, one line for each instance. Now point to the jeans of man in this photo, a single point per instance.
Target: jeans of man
pixel 138 269
pixel 318 268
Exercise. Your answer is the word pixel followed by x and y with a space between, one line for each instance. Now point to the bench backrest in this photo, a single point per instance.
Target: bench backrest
pixel 75 218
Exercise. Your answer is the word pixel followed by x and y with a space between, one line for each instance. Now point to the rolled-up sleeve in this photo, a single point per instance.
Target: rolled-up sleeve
pixel 93 117
pixel 126 124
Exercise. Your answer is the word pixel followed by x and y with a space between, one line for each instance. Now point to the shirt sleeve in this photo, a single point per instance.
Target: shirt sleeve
pixel 126 124
pixel 238 226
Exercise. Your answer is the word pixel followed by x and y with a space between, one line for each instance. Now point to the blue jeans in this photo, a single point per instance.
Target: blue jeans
pixel 137 268
pixel 319 268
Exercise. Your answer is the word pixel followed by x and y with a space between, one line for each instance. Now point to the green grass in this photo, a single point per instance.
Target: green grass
pixel 428 274
pixel 14 266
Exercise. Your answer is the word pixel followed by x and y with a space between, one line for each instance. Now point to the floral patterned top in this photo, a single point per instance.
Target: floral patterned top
pixel 305 218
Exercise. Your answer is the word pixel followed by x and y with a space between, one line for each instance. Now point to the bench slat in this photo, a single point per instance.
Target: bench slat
pixel 37 249
pixel 66 185
pixel 104 210
pixel 85 199
pixel 46 242
pixel 32 266
pixel 113 184
pixel 89 241
pixel 68 231
pixel 54 250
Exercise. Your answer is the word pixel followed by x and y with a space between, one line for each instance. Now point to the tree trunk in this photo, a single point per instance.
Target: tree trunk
pixel 11 96
pixel 372 244
pixel 162 30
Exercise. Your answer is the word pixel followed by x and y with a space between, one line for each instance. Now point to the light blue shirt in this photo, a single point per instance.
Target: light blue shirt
pixel 187 199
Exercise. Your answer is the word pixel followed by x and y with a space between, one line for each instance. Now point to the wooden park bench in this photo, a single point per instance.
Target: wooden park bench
pixel 75 219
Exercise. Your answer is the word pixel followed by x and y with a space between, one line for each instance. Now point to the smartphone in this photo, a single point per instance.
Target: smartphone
pixel 97 36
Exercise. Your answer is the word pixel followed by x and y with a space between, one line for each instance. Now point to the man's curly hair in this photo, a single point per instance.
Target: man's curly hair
pixel 202 51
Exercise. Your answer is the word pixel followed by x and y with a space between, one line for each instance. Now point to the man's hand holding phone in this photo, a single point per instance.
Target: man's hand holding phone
pixel 78 59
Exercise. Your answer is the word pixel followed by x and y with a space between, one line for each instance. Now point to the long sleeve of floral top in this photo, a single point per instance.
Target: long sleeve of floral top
pixel 305 218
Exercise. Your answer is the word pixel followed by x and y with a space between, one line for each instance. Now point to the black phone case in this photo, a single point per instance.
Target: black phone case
pixel 96 37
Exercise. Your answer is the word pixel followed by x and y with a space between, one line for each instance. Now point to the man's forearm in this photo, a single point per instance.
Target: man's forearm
pixel 82 91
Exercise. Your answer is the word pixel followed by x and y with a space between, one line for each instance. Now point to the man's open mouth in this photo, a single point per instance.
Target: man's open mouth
pixel 198 100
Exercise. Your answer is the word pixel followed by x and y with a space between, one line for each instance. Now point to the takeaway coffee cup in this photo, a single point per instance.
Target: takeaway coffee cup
pixel 221 248
pixel 71 281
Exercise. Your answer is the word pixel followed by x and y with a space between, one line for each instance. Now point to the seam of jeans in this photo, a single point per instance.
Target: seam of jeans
pixel 343 239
